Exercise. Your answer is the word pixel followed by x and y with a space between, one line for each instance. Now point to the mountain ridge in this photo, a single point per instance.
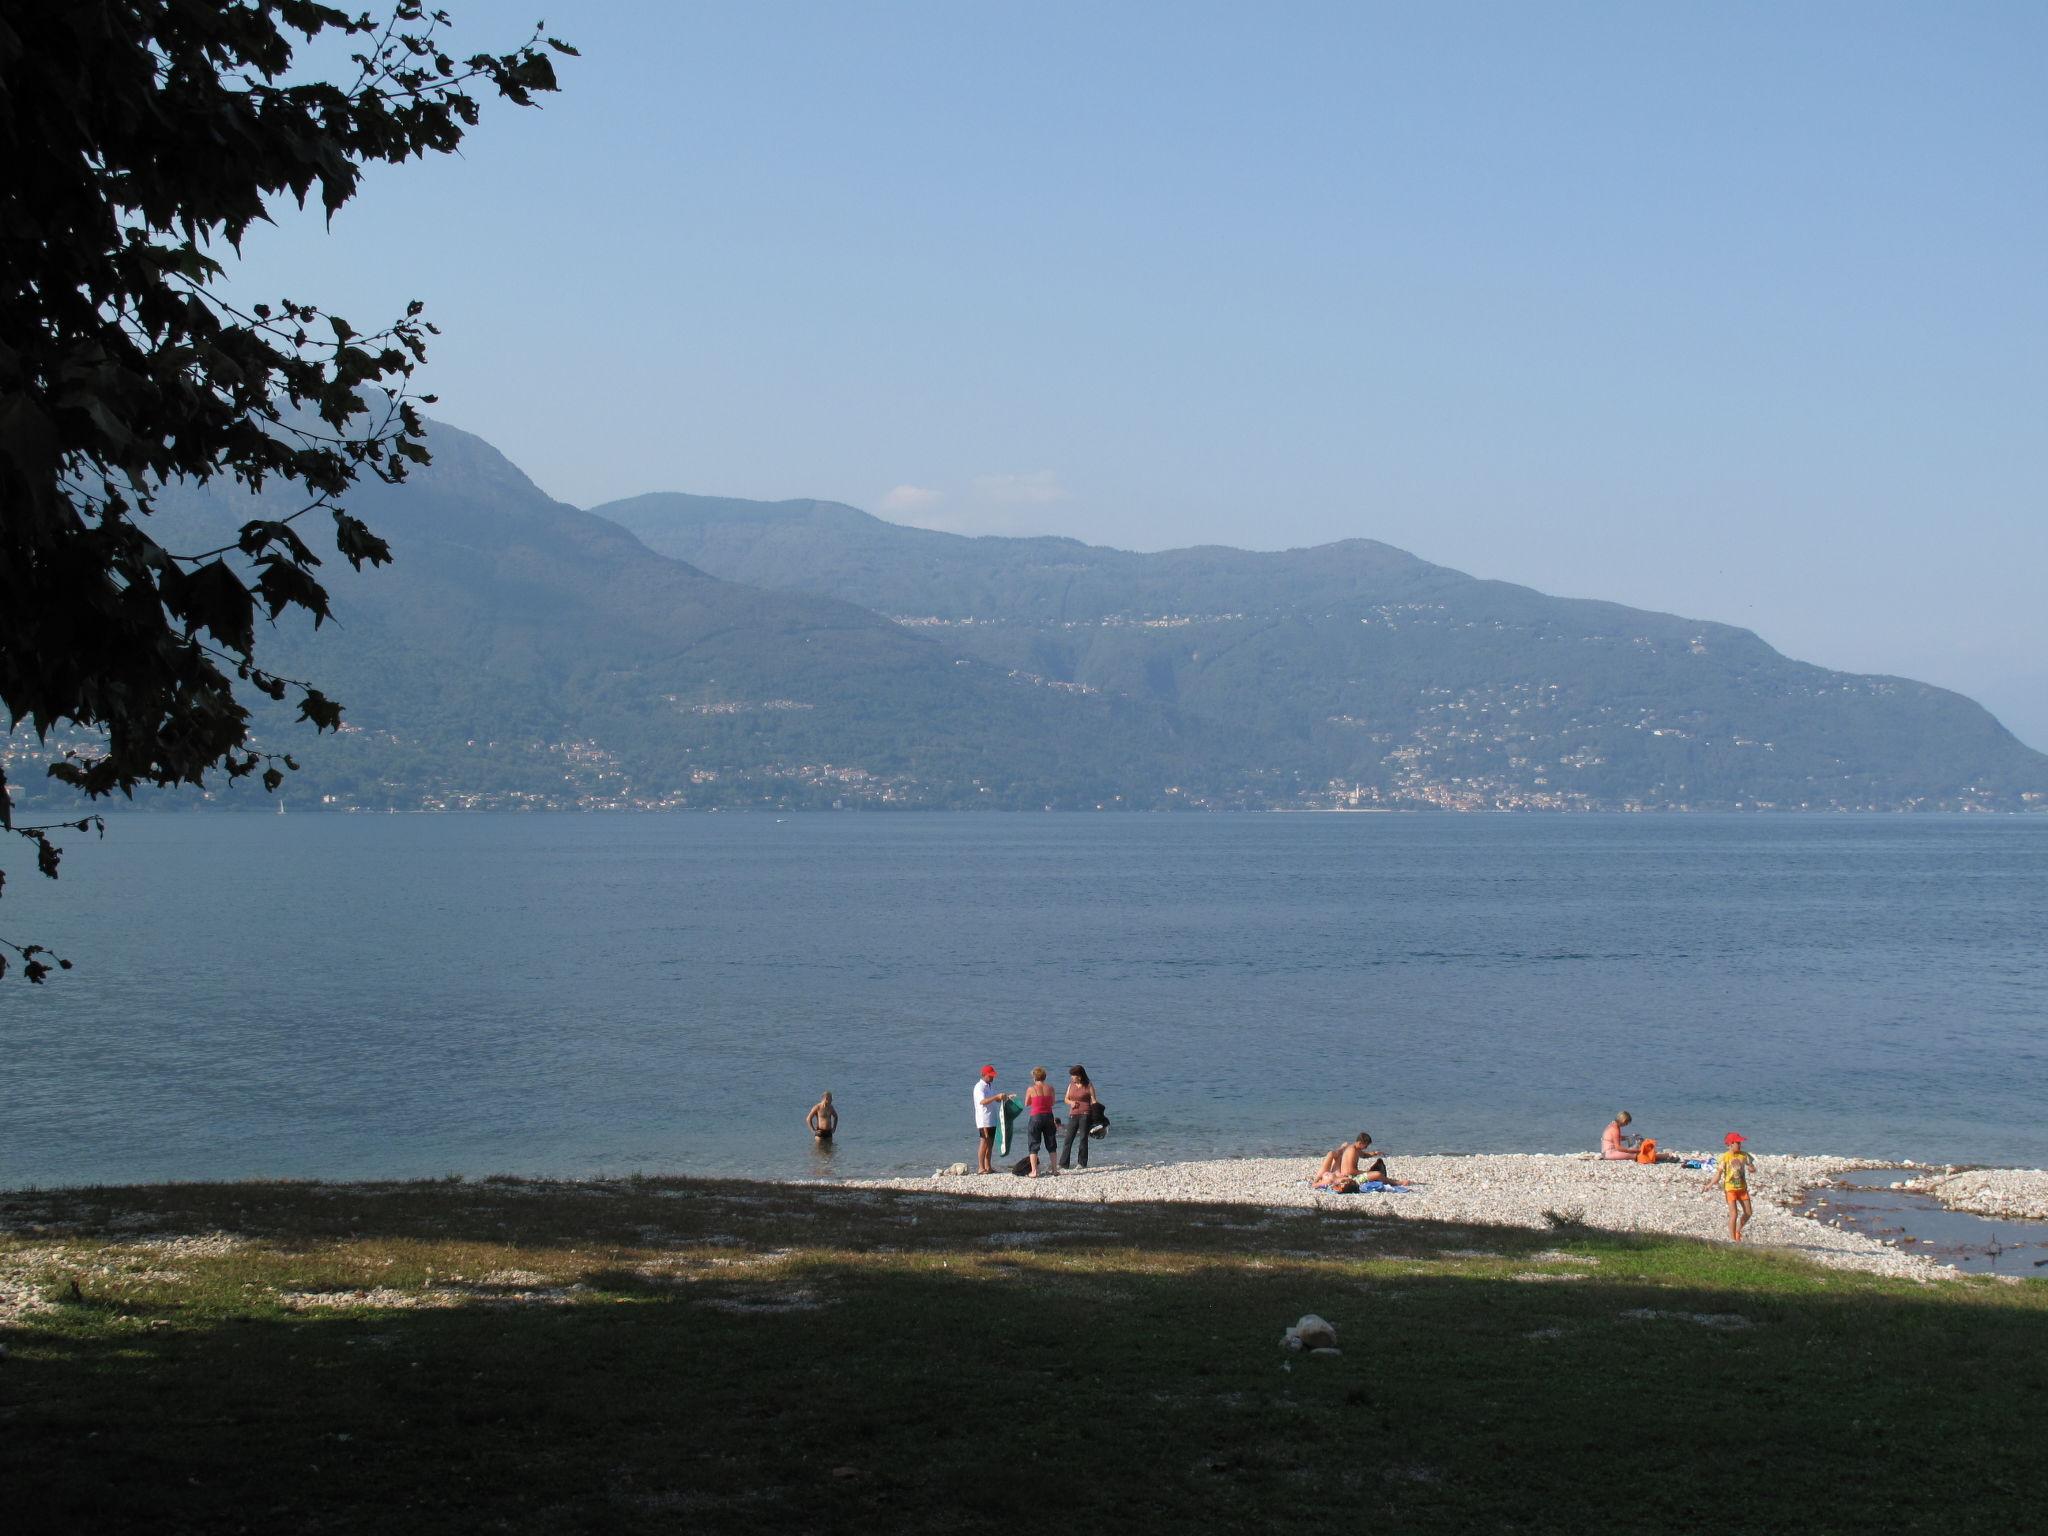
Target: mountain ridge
pixel 1186 625
pixel 520 652
pixel 677 652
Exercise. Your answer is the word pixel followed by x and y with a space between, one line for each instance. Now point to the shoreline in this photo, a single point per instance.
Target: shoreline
pixel 2007 1194
pixel 1529 1190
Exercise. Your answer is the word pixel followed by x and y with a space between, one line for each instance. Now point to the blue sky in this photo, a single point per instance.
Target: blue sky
pixel 1733 311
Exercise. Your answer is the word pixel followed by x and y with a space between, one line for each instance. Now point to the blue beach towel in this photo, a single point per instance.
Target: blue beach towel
pixel 1370 1187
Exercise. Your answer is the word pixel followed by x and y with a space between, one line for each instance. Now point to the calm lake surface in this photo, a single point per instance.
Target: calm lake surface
pixel 418 995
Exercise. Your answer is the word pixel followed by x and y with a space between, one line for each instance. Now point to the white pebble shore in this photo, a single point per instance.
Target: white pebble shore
pixel 1501 1189
pixel 2014 1193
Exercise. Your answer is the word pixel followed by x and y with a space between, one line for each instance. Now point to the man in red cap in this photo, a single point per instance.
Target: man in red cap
pixel 1731 1175
pixel 987 1105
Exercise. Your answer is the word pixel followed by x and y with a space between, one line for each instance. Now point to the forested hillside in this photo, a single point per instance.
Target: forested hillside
pixel 520 652
pixel 687 652
pixel 1387 680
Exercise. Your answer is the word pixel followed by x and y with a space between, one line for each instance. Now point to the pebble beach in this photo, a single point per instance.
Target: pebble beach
pixel 2010 1193
pixel 1506 1189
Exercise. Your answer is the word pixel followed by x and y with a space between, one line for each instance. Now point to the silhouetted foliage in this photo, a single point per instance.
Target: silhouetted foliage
pixel 139 140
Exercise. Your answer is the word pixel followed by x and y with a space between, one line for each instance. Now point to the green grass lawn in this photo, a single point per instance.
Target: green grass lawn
pixel 651 1354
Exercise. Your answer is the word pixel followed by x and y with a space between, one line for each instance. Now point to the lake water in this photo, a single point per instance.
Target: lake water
pixel 419 995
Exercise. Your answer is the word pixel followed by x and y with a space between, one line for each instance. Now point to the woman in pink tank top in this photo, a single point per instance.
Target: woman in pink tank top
pixel 1043 1127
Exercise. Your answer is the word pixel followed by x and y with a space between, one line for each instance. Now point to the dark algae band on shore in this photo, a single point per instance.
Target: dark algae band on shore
pixel 557 994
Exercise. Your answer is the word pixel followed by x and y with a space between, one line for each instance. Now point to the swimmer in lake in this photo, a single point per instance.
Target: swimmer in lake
pixel 823 1119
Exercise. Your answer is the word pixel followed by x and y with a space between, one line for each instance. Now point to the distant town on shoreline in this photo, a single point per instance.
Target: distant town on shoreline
pixel 676 652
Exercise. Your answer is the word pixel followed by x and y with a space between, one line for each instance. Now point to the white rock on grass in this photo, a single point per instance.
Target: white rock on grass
pixel 1516 1189
pixel 1314 1333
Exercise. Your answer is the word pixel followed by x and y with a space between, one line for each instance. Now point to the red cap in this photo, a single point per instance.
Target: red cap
pixel 988 1071
pixel 1732 1138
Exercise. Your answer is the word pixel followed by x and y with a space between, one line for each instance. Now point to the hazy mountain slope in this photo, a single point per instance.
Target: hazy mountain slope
pixel 1398 679
pixel 522 651
pixel 826 547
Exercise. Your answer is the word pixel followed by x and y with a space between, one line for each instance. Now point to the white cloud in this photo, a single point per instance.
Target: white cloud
pixel 1034 489
pixel 996 503
pixel 909 498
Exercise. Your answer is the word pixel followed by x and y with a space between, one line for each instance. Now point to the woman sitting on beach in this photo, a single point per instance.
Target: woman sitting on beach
pixel 1615 1147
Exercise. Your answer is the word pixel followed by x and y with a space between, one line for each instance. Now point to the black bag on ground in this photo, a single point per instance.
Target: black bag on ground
pixel 1022 1166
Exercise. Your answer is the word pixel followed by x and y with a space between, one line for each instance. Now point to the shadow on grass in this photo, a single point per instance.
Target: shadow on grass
pixel 637 1211
pixel 644 1213
pixel 1675 1387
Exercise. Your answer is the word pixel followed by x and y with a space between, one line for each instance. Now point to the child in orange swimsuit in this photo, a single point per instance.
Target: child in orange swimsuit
pixel 1731 1175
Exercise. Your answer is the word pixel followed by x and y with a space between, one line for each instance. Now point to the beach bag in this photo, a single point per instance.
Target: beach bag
pixel 1098 1119
pixel 1021 1167
pixel 1647 1152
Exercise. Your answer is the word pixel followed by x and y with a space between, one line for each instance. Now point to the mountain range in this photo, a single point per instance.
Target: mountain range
pixel 675 651
pixel 1378 678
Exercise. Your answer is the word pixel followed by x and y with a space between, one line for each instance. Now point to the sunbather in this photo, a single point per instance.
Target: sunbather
pixel 1617 1148
pixel 1349 1164
pixel 1614 1146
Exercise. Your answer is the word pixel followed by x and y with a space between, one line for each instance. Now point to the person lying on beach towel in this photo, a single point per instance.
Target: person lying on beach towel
pixel 1346 1164
pixel 1341 1161
pixel 1369 1187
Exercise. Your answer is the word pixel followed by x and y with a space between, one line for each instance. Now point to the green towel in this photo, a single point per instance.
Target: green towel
pixel 1010 1112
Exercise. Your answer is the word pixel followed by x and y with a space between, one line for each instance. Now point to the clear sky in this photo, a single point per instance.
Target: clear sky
pixel 1734 311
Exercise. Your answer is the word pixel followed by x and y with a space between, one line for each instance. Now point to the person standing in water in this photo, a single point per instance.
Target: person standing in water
pixel 823 1119
pixel 1080 1107
pixel 1732 1171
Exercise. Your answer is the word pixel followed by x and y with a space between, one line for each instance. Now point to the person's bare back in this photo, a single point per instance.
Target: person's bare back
pixel 823 1119
pixel 1340 1164
pixel 1345 1167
